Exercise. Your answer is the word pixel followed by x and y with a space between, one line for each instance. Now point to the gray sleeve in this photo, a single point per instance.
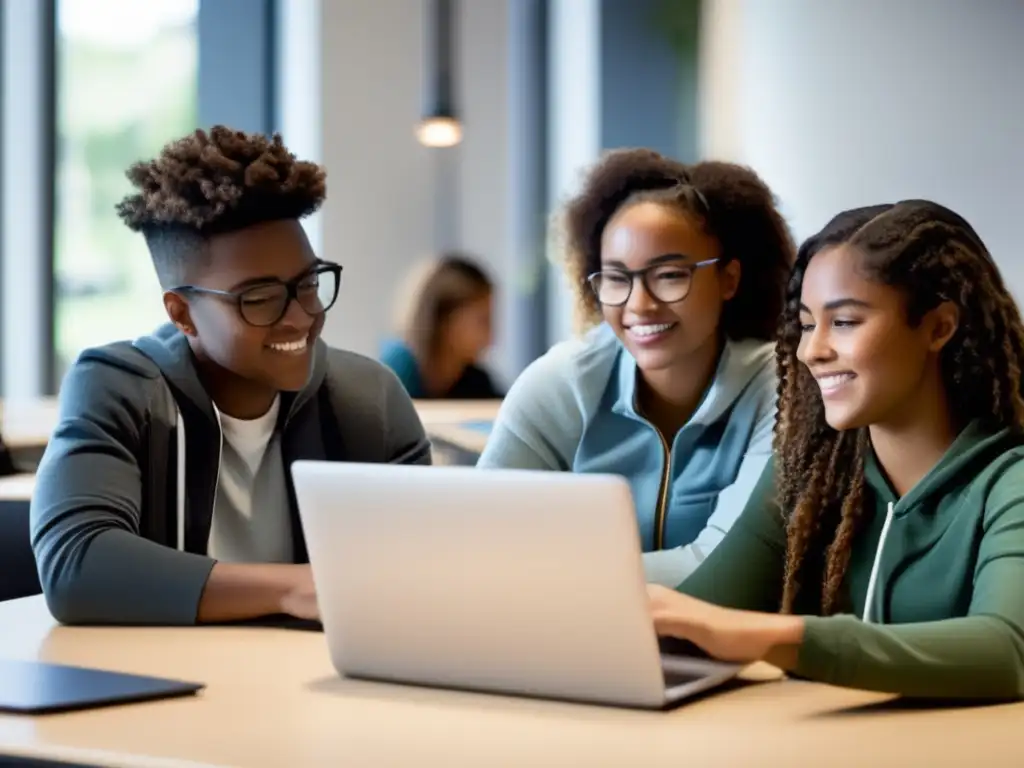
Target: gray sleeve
pixel 540 422
pixel 94 566
pixel 405 439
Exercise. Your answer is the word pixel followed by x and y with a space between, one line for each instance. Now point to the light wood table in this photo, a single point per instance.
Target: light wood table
pixel 274 700
pixel 28 423
pixel 462 438
pixel 433 412
pixel 17 487
pixel 445 421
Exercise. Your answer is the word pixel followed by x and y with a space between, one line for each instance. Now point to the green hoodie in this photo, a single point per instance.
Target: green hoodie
pixel 946 616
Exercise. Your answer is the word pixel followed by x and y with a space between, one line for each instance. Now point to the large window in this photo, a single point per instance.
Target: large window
pixel 127 79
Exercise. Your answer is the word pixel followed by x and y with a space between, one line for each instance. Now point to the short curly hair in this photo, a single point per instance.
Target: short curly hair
pixel 211 183
pixel 735 205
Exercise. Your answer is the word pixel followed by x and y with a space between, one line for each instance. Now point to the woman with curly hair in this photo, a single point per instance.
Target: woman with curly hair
pixel 884 548
pixel 682 270
pixel 162 497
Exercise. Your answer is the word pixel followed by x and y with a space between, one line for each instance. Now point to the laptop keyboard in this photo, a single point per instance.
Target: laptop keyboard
pixel 672 679
pixel 673 646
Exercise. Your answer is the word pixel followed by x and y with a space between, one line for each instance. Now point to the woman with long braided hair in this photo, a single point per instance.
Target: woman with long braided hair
pixel 884 546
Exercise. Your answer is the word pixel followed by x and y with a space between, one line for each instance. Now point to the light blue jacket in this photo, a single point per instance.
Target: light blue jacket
pixel 573 410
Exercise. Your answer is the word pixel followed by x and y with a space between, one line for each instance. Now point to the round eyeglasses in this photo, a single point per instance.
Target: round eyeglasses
pixel 266 303
pixel 667 283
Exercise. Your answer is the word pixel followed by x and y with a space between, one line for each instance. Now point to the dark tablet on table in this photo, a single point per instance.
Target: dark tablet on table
pixel 36 688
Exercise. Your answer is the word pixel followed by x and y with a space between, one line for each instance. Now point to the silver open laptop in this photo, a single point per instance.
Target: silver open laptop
pixel 508 581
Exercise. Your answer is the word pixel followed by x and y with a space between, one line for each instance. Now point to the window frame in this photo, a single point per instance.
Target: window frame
pixel 237 86
pixel 27 148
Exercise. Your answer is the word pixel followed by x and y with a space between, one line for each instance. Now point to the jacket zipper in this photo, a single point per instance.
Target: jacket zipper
pixel 660 511
pixel 659 519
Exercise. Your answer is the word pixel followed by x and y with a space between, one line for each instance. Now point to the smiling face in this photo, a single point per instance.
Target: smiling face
pixel 871 364
pixel 273 358
pixel 663 335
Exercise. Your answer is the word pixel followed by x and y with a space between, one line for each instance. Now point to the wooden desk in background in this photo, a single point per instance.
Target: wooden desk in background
pixel 445 412
pixel 29 423
pixel 446 424
pixel 17 487
pixel 273 699
pixel 469 441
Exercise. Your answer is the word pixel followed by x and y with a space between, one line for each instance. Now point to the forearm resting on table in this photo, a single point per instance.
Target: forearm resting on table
pixel 782 636
pixel 970 657
pixel 787 638
pixel 748 636
pixel 975 657
pixel 237 591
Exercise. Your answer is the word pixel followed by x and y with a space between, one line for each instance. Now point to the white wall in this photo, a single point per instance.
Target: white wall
pixel 839 104
pixel 574 126
pixel 352 100
pixel 378 218
pixel 483 173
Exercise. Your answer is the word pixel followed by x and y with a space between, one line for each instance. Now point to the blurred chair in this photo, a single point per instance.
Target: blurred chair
pixel 18 574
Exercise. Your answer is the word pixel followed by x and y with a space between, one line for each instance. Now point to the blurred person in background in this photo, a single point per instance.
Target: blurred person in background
pixel 444 329
pixel 683 271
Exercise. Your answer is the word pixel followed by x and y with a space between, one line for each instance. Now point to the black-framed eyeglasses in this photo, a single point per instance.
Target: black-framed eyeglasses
pixel 667 283
pixel 266 303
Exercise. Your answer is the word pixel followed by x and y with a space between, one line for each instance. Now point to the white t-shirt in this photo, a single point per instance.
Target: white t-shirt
pixel 251 523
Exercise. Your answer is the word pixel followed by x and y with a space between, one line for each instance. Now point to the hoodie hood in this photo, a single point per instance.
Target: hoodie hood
pixel 912 545
pixel 169 350
pixel 975 448
pixel 738 365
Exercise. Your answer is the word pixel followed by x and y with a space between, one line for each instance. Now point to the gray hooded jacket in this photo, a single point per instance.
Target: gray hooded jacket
pixel 125 492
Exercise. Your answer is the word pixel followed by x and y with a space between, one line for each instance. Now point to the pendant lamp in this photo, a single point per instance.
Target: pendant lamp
pixel 439 125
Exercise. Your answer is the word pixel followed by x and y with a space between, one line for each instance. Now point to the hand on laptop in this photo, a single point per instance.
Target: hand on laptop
pixel 726 633
pixel 300 600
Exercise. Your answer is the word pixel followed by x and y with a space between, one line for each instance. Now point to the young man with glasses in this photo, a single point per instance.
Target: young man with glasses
pixel 683 271
pixel 164 496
